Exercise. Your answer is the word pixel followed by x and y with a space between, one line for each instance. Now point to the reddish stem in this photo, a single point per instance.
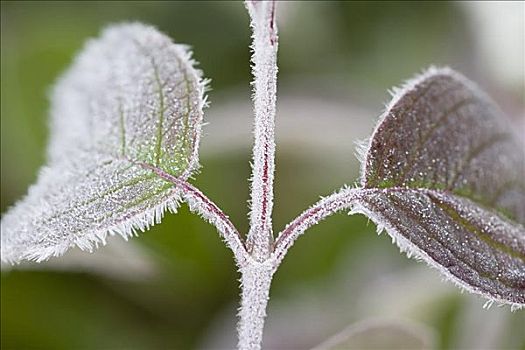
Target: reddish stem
pixel 209 210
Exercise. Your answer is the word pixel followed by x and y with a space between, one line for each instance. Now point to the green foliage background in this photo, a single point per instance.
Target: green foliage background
pixel 362 47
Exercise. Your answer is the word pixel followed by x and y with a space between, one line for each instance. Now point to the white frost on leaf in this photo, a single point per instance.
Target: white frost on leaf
pixel 460 259
pixel 443 172
pixel 131 97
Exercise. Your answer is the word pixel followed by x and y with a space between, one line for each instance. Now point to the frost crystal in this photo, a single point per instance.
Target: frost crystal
pixel 444 174
pixel 262 15
pixel 131 97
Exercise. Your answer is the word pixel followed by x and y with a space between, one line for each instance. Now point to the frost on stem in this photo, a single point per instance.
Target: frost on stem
pixel 342 200
pixel 256 276
pixel 200 204
pixel 256 279
pixel 264 69
pixel 443 172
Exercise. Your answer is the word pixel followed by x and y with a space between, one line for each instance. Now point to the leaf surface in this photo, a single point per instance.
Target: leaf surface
pixel 444 173
pixel 132 97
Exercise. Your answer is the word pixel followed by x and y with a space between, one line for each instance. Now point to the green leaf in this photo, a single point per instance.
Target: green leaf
pixel 131 98
pixel 444 174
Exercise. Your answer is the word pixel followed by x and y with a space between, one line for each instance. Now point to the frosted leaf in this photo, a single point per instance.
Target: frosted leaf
pixel 131 97
pixel 444 174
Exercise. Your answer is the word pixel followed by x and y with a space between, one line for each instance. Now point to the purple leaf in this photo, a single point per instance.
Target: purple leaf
pixel 444 173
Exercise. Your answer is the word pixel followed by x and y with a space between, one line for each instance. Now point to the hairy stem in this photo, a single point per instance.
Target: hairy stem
pixel 255 284
pixel 327 206
pixel 264 59
pixel 256 275
pixel 202 205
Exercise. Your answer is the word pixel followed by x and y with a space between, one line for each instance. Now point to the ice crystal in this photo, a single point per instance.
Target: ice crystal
pixel 132 97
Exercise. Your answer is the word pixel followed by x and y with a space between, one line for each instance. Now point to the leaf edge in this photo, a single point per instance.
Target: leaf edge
pixel 413 251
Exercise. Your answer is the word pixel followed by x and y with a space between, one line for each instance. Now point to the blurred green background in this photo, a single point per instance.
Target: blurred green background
pixel 340 272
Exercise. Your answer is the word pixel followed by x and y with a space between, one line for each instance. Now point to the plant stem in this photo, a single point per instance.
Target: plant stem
pixel 255 283
pixel 256 274
pixel 341 200
pixel 260 237
pixel 205 207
